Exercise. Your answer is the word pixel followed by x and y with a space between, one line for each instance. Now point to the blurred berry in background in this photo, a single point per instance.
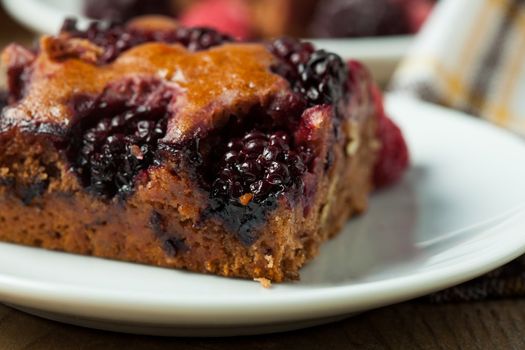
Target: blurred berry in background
pixel 359 18
pixel 252 19
pixel 122 10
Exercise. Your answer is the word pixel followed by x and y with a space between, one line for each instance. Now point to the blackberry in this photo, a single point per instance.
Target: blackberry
pixel 323 78
pixel 116 137
pixel 367 18
pixel 291 53
pixel 318 76
pixel 199 38
pixel 393 158
pixel 248 176
pixel 258 165
pixel 117 38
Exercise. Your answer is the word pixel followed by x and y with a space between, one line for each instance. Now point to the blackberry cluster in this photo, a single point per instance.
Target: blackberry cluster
pixel 117 38
pixel 319 76
pixel 259 165
pixel 110 154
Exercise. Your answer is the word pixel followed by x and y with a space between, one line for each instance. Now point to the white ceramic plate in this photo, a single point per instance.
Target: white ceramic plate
pixel 380 53
pixel 457 214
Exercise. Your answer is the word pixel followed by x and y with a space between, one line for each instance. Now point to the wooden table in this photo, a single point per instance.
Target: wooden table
pixel 488 325
pixel 414 325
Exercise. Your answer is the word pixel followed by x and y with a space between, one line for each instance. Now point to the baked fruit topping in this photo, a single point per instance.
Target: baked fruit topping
pixel 113 39
pixel 118 137
pixel 180 147
pixel 319 76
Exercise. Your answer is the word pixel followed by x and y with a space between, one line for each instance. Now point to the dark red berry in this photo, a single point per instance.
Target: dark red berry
pixel 393 158
pixel 115 38
pixel 319 76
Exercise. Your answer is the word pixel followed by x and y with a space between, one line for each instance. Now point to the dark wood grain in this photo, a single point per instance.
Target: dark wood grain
pixel 487 325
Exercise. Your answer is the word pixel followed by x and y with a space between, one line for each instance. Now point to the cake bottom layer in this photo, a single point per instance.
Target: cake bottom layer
pixel 43 205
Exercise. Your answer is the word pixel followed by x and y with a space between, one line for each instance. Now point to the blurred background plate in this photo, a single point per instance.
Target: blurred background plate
pixel 381 54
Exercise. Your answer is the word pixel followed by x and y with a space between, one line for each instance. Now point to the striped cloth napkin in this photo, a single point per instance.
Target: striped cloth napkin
pixel 471 56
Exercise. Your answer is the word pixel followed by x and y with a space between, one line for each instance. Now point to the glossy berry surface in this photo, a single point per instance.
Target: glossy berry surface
pixel 116 145
pixel 319 76
pixel 259 164
pixel 115 38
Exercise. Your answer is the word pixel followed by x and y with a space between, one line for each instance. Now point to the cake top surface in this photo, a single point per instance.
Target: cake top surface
pixel 206 86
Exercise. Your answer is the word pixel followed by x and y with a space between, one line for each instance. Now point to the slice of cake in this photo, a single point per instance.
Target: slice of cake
pixel 178 147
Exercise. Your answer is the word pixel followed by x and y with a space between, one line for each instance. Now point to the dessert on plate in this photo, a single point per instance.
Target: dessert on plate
pixel 180 147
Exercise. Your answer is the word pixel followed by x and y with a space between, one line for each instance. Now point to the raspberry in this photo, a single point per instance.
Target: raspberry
pixel 417 12
pixel 319 76
pixel 393 156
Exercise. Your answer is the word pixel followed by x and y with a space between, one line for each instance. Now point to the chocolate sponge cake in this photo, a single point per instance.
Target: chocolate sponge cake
pixel 178 147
